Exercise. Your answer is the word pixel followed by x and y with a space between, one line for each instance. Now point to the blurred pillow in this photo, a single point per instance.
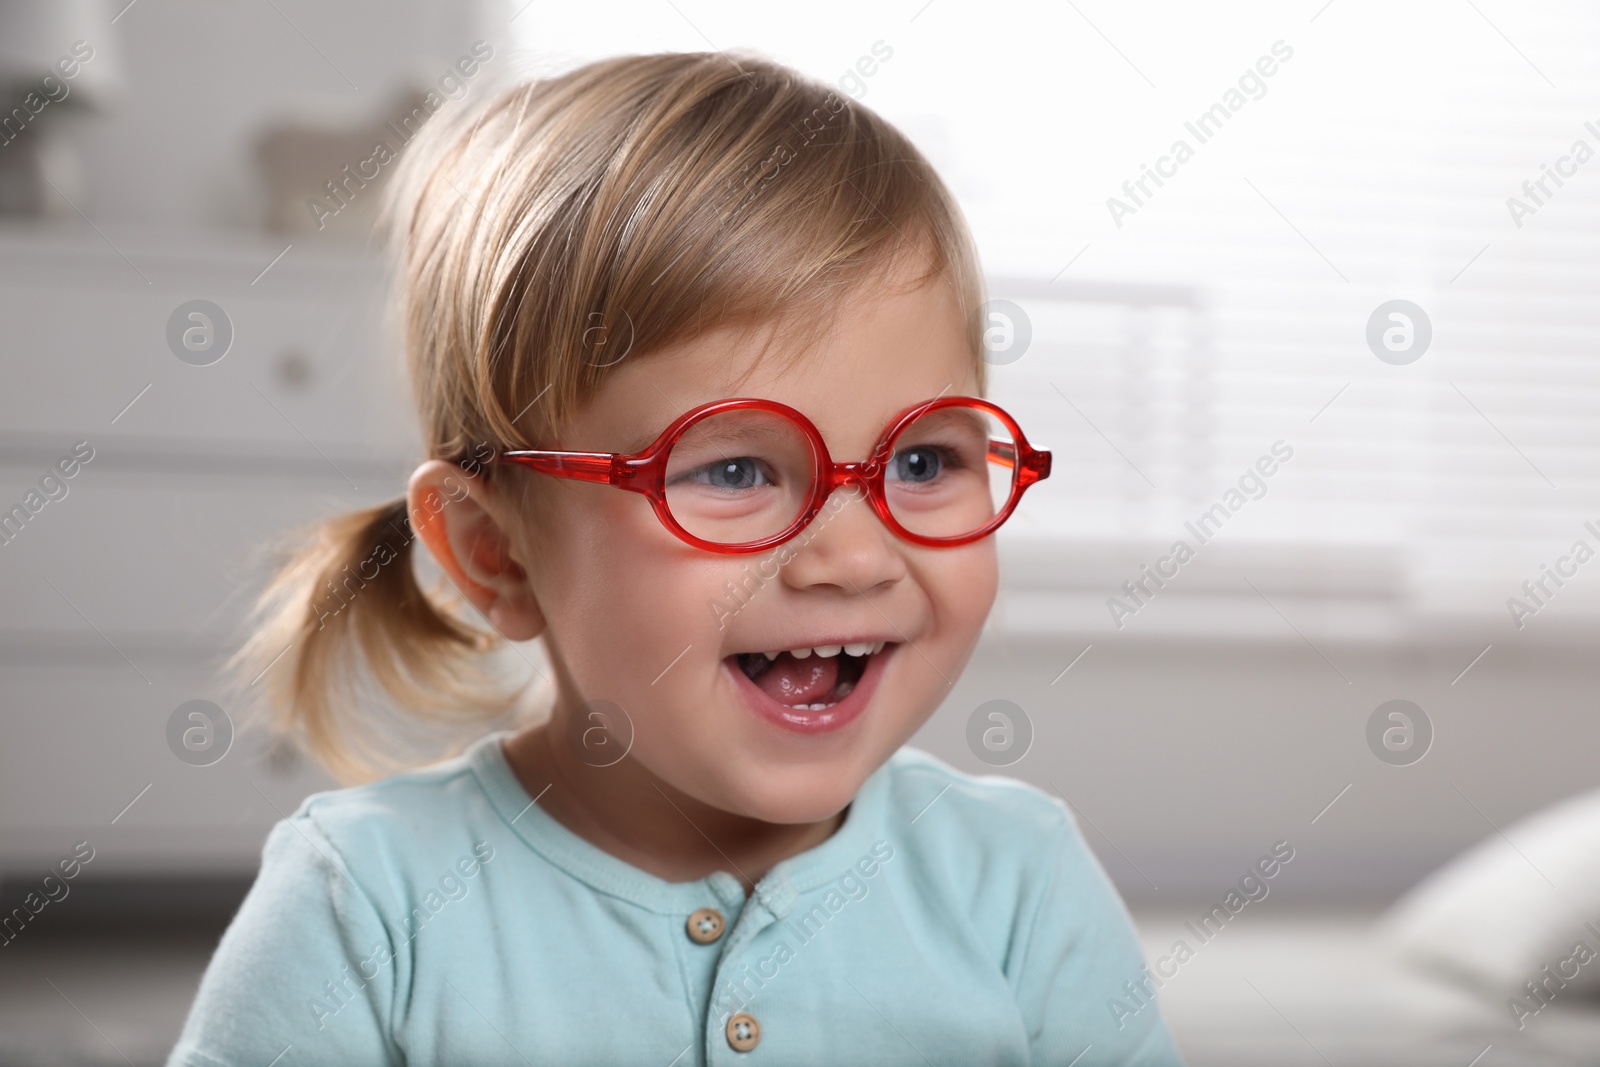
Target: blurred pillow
pixel 1496 915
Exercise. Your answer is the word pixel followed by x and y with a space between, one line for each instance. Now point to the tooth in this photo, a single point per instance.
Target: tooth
pixel 771 655
pixel 878 647
pixel 844 690
pixel 828 651
pixel 858 648
pixel 799 653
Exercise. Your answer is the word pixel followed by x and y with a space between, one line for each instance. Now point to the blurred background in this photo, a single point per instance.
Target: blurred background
pixel 1310 288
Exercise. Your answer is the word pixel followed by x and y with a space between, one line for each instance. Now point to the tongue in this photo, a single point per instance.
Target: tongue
pixel 799 681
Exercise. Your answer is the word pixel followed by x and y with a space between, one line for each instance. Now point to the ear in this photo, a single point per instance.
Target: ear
pixel 459 518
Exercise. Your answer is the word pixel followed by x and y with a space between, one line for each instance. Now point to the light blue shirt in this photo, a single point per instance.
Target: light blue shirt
pixel 441 916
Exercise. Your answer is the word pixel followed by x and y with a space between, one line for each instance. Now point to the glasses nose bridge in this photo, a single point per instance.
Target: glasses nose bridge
pixel 842 474
pixel 864 474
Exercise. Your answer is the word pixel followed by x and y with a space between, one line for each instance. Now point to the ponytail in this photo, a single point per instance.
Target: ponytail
pixel 345 614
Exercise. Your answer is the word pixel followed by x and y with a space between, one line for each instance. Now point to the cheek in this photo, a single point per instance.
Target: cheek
pixel 962 583
pixel 622 595
pixel 959 585
pixel 577 560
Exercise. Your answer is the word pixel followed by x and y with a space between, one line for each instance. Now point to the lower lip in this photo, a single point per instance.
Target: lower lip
pixel 802 720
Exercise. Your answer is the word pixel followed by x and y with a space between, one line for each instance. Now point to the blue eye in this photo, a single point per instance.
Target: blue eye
pixel 920 464
pixel 742 472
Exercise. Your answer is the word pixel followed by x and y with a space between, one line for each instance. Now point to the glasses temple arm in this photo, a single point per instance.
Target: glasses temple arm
pixel 601 467
pixel 1035 462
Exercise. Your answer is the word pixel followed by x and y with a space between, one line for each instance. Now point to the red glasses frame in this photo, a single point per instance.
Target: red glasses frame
pixel 645 472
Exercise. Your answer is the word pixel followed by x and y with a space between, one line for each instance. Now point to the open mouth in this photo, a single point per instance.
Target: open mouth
pixel 808 679
pixel 811 691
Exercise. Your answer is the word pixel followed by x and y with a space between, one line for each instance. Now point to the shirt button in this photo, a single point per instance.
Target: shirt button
pixel 706 925
pixel 744 1033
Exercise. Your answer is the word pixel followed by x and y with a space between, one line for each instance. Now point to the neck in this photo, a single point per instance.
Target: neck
pixel 631 813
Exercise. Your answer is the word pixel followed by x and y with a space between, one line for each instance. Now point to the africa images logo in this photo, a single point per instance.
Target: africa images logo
pixel 1203 128
pixel 342 189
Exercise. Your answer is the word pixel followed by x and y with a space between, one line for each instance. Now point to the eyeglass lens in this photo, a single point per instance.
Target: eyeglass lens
pixel 744 475
pixel 950 471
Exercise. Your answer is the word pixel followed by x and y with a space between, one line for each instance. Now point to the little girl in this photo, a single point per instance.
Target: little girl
pixel 697 350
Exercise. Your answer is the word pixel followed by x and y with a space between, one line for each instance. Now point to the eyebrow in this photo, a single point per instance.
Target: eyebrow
pixel 958 418
pixel 754 432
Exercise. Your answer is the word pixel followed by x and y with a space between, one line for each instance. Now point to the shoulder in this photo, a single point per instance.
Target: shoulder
pixel 995 855
pixel 920 787
pixel 391 833
pixel 414 802
pixel 980 834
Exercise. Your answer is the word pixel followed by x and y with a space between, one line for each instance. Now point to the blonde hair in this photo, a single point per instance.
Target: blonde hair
pixel 636 201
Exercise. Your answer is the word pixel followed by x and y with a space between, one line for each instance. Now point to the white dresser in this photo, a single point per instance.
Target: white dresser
pixel 120 599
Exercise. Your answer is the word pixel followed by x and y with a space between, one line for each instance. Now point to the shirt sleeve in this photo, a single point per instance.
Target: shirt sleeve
pixel 1078 955
pixel 305 973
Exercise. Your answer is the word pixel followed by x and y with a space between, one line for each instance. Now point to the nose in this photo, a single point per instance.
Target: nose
pixel 846 547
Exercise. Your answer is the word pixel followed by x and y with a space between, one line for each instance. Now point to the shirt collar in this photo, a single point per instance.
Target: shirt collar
pixel 777 890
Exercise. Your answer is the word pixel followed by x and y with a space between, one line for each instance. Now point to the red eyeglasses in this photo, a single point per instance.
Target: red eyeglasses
pixel 744 475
